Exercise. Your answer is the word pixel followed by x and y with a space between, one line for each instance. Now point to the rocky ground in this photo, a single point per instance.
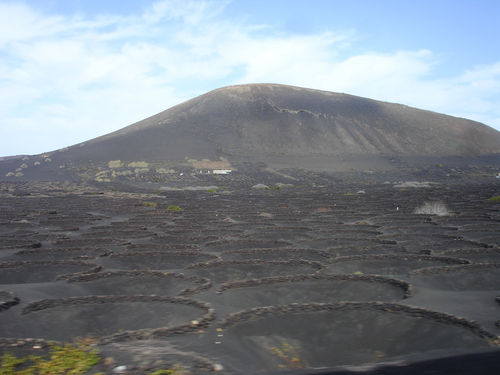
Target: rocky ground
pixel 325 276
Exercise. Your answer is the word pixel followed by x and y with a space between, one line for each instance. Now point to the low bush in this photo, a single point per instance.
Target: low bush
pixel 433 208
pixel 495 198
pixel 174 208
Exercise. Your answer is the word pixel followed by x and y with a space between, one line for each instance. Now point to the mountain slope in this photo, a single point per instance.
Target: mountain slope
pixel 250 120
pixel 285 126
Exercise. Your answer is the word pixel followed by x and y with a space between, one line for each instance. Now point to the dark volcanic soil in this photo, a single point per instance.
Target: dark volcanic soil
pixel 340 277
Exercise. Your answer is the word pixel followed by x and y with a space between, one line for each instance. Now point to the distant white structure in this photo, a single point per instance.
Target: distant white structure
pixel 213 171
pixel 221 171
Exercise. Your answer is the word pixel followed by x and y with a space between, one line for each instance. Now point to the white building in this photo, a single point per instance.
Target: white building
pixel 221 171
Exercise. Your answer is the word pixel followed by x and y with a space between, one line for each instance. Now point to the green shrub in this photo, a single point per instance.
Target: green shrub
pixel 149 204
pixel 174 208
pixel 211 191
pixel 495 198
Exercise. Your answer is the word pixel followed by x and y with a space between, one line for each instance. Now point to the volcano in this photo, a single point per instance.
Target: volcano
pixel 274 126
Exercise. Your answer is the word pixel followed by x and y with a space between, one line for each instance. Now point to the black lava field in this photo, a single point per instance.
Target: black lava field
pixel 339 278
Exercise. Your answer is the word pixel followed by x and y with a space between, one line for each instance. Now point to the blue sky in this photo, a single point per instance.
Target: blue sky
pixel 72 70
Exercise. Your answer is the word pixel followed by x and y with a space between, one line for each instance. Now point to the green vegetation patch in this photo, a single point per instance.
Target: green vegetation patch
pixel 495 198
pixel 68 359
pixel 115 164
pixel 174 208
pixel 176 370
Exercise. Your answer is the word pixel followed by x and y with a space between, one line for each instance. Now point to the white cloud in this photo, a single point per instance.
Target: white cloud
pixel 190 12
pixel 296 59
pixel 69 79
pixel 381 72
pixel 18 22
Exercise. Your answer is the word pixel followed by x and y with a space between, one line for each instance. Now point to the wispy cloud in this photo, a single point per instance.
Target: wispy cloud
pixel 65 79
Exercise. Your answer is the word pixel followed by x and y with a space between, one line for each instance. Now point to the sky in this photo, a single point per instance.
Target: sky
pixel 73 70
